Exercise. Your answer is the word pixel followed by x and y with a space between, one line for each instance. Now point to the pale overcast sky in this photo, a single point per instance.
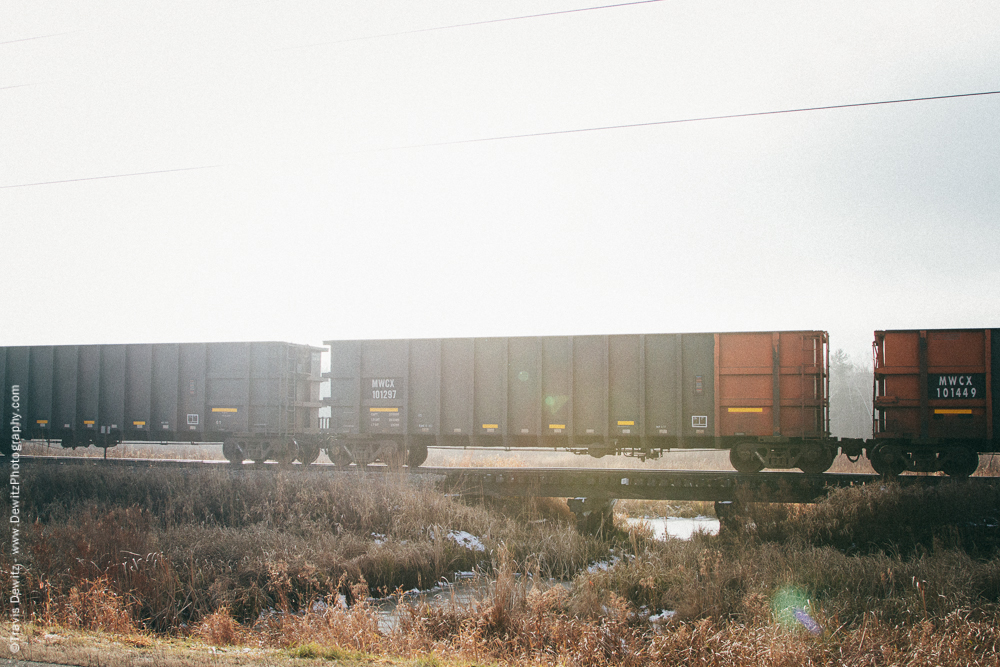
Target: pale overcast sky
pixel 324 214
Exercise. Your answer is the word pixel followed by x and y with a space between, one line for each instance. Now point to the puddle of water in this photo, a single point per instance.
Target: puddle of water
pixel 465 592
pixel 677 527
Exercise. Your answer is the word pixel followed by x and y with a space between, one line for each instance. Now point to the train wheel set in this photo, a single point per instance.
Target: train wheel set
pixel 306 451
pixel 763 396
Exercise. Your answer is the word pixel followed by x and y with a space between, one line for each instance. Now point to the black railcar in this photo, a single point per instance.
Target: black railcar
pixel 261 399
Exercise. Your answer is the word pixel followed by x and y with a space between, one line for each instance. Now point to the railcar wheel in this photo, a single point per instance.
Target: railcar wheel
pixel 233 451
pixel 816 459
pixel 338 455
pixel 744 457
pixel 416 455
pixel 308 453
pixel 960 462
pixel 887 460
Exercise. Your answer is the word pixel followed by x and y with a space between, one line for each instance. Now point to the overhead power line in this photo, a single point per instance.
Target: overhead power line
pixel 556 132
pixel 28 39
pixel 698 119
pixel 98 178
pixel 470 24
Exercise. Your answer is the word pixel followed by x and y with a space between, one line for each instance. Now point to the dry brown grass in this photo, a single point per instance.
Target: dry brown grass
pixel 241 560
pixel 219 628
pixel 172 547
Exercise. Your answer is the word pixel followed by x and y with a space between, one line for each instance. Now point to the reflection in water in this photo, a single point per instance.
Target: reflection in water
pixel 466 591
pixel 677 527
pixel 470 589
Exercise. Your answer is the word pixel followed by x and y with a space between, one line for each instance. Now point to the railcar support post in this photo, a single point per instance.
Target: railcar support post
pixel 593 515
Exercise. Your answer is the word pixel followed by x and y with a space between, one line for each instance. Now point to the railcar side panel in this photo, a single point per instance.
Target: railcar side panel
pixel 192 414
pixel 18 373
pixel 746 389
pixel 227 387
pixel 112 390
pixel 698 390
pixel 524 386
pixel 490 388
pixel 88 393
pixel 802 376
pixel 424 388
pixel 41 361
pixel 626 375
pixel 138 391
pixel 994 387
pixel 66 371
pixel 557 379
pixel 457 387
pixel 166 390
pixel 662 373
pixel 589 394
pixel 345 387
pixel 384 373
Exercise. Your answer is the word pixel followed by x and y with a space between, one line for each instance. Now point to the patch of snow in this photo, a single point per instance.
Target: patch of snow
pixel 603 566
pixel 467 540
pixel 661 620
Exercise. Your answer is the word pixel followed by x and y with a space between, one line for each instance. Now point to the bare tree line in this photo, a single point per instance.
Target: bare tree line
pixel 850 396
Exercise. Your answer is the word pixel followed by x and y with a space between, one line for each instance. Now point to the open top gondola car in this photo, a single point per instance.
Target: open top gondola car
pixel 763 395
pixel 935 397
pixel 260 399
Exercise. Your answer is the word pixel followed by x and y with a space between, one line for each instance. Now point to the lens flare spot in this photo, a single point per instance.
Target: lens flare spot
pixel 555 403
pixel 788 604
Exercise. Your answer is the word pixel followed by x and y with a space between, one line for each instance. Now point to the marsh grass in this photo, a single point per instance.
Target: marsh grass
pixel 886 518
pixel 173 547
pixel 288 562
pixel 664 508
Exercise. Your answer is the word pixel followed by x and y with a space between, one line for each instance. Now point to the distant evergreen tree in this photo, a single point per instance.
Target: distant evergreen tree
pixel 850 397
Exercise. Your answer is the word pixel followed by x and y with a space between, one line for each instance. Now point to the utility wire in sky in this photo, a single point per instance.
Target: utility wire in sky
pixel 688 120
pixel 473 23
pixel 557 132
pixel 28 39
pixel 98 178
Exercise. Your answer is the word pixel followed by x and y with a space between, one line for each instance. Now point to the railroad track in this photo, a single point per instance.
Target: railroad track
pixel 595 484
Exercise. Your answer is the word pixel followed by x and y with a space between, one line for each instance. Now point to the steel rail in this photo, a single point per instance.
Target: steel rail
pixel 780 486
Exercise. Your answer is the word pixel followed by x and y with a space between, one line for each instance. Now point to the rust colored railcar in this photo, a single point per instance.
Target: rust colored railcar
pixel 762 395
pixel 935 397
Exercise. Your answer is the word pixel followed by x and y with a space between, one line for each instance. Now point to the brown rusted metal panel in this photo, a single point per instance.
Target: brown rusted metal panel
pixel 772 384
pixel 933 384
